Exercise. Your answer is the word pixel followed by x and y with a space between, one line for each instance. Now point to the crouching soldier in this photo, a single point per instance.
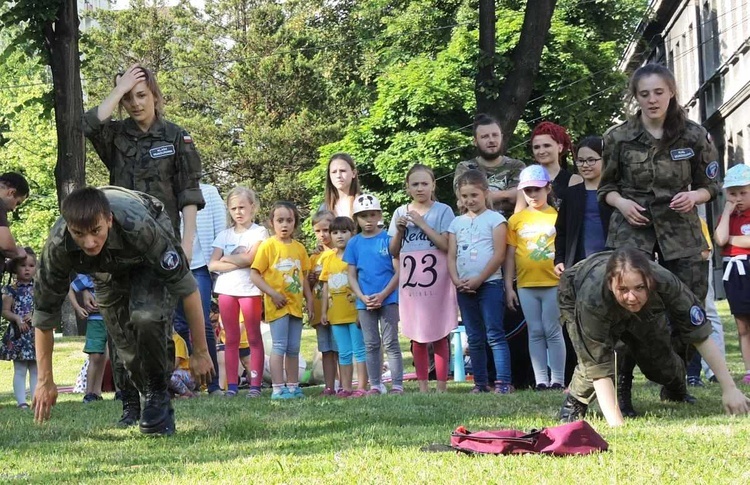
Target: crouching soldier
pixel 621 295
pixel 125 240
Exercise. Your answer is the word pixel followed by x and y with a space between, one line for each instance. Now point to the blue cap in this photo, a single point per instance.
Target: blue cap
pixel 737 176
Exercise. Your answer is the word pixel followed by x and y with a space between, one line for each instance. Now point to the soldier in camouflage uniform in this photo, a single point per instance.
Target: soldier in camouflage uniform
pixel 622 295
pixel 145 152
pixel 149 154
pixel 502 172
pixel 125 241
pixel 657 167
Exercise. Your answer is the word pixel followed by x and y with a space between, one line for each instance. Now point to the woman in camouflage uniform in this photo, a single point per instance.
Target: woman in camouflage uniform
pixel 658 166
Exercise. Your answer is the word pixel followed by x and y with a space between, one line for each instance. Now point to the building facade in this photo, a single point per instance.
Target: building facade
pixel 706 43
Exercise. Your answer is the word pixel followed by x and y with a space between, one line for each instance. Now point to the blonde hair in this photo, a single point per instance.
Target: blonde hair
pixel 248 194
pixel 322 214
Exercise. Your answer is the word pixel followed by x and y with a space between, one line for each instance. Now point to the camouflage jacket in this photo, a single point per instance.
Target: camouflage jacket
pixel 140 237
pixel 503 177
pixel 162 162
pixel 586 302
pixel 636 168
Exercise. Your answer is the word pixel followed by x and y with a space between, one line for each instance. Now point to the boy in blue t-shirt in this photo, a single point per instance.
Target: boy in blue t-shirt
pixel 373 276
pixel 96 335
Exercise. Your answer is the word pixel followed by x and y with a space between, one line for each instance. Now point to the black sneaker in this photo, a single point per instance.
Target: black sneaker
pixel 695 381
pixel 541 387
pixel 672 396
pixel 91 397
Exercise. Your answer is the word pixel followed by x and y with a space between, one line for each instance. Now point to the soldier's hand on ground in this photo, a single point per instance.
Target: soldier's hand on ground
pixel 130 78
pixel 559 268
pixel 45 397
pixel 735 402
pixel 632 212
pixel 683 202
pixel 201 367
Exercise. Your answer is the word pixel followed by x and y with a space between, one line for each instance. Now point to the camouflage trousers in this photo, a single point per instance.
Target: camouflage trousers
pixel 651 345
pixel 138 311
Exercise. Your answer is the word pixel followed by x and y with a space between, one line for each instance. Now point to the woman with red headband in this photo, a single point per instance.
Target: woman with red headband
pixel 550 145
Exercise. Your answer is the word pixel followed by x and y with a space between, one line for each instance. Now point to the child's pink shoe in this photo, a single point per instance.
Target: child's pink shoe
pixel 343 393
pixel 328 392
pixel 373 392
pixel 358 393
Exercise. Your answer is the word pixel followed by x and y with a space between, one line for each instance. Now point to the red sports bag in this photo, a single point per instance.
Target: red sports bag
pixel 577 438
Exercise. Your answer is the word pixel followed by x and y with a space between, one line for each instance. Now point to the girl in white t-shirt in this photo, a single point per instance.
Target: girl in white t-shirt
pixel 234 251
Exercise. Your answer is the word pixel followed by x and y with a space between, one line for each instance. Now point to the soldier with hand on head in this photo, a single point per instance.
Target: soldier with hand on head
pixel 125 240
pixel 621 295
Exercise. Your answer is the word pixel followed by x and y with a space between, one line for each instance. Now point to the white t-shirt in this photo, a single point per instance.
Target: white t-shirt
pixel 237 282
pixel 475 244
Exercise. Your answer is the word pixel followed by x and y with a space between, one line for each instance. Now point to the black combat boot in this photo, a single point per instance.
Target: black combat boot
pixel 131 408
pixel 158 415
pixel 572 410
pixel 624 395
pixel 676 396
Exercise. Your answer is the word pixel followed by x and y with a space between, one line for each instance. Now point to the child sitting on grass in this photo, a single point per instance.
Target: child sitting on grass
pixel 181 384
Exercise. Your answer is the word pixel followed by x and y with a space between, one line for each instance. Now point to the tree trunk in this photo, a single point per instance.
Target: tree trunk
pixel 61 41
pixel 507 103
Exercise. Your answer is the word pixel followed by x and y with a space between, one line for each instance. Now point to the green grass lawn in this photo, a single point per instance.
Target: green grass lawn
pixel 374 440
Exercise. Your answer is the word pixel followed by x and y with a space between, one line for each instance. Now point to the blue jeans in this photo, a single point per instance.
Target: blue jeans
pixel 205 286
pixel 286 335
pixel 482 315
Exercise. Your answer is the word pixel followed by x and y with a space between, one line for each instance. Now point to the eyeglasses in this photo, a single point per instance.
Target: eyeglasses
pixel 587 161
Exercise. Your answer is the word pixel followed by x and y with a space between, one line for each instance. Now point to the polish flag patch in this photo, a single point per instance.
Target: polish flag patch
pixel 187 138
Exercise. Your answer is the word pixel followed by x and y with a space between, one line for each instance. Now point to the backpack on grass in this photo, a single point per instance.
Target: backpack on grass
pixel 577 438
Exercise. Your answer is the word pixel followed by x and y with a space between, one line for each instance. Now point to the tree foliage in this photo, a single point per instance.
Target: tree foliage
pixel 27 141
pixel 425 103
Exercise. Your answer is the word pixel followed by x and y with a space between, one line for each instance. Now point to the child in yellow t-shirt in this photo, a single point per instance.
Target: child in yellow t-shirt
pixel 530 257
pixel 181 383
pixel 339 310
pixel 321 223
pixel 280 271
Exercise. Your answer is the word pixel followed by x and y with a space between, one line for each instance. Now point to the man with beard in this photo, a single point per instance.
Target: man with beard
pixel 502 172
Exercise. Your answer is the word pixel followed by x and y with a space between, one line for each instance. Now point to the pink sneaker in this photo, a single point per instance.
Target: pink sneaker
pixel 358 393
pixel 343 393
pixel 373 392
pixel 396 391
pixel 328 392
pixel 746 380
